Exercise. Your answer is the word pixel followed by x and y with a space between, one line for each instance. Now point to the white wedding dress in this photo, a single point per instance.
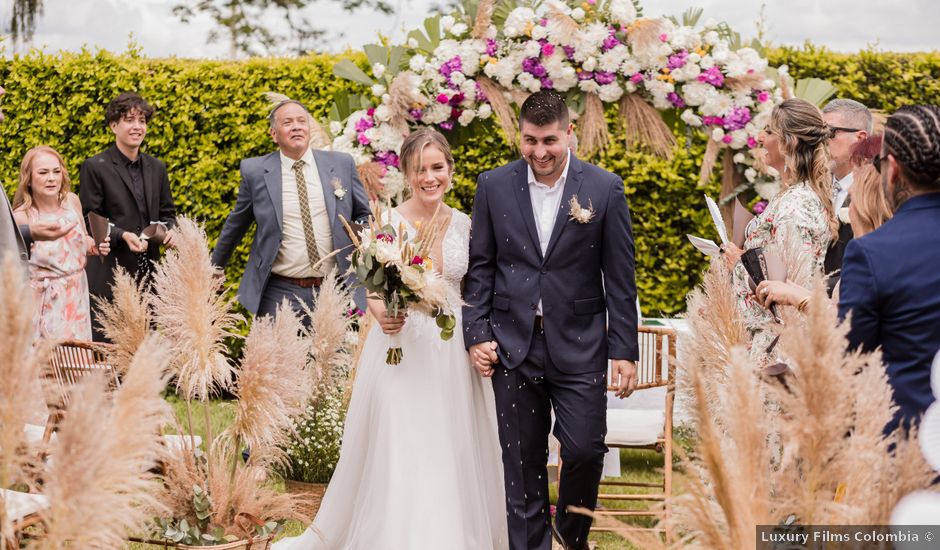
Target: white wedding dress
pixel 420 465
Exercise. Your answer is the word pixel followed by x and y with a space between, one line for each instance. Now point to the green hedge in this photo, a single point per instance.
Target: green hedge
pixel 211 115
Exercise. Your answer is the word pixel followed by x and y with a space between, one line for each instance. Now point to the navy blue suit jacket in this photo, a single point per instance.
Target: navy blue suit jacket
pixel 585 279
pixel 891 287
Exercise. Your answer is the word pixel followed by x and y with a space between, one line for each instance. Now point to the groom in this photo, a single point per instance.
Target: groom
pixel 551 296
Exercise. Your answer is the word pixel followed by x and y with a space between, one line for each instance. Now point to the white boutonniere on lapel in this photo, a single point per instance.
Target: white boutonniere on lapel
pixel 579 213
pixel 338 190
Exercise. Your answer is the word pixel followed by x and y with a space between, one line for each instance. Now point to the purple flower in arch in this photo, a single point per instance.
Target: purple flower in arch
pixel 370 111
pixel 610 42
pixel 363 139
pixel 569 52
pixel 604 78
pixel 364 124
pixel 491 47
pixel 713 121
pixel 712 76
pixel 737 118
pixel 678 60
pixel 480 95
pixel 387 158
pixel 547 83
pixel 416 114
pixel 447 125
pixel 456 99
pixel 532 66
pixel 676 101
pixel 585 75
pixel 451 66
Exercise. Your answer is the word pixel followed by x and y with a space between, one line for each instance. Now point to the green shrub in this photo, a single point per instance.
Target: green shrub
pixel 211 115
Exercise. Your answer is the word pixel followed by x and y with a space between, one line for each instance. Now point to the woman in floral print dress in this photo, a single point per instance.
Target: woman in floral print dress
pixel 798 220
pixel 57 267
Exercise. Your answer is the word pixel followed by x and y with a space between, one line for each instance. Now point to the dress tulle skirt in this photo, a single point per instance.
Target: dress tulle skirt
pixel 420 465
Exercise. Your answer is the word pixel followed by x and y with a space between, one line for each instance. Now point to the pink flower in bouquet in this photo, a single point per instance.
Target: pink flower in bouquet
pixel 354 312
pixel 385 237
pixel 763 96
pixel 551 510
pixel 759 207
pixel 663 37
pixel 417 260
pixel 751 142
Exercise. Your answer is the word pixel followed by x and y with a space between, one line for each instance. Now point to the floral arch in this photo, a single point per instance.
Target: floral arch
pixel 479 62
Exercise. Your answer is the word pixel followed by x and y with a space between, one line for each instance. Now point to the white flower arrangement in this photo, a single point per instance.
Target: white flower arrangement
pixel 695 71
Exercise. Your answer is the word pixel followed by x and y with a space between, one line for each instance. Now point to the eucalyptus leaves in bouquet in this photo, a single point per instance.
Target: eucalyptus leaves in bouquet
pixel 314 450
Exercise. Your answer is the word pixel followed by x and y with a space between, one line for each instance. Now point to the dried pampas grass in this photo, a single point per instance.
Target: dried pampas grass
pixel 712 148
pixel 404 95
pixel 370 174
pixel 326 335
pixel 233 491
pixel 503 111
pixel 592 127
pixel 125 319
pixel 22 398
pixel 98 484
pixel 194 314
pixel 272 386
pixel 643 36
pixel 644 127
pixel 562 26
pixel 483 18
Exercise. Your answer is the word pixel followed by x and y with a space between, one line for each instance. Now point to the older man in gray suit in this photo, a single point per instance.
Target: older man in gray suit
pixel 295 195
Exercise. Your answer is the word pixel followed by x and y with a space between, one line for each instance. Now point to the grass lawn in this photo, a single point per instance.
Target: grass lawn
pixel 637 465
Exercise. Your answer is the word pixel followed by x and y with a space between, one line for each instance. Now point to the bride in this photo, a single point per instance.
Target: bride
pixel 420 462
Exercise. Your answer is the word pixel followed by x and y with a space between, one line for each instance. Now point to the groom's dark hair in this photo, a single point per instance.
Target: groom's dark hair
pixel 544 107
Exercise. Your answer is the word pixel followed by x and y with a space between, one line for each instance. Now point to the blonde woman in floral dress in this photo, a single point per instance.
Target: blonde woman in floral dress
pixel 56 267
pixel 798 220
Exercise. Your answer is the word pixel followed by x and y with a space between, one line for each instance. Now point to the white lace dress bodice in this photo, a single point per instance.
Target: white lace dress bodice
pixel 455 247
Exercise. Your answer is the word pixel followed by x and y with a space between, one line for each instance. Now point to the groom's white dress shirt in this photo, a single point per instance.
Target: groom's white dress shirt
pixel 546 202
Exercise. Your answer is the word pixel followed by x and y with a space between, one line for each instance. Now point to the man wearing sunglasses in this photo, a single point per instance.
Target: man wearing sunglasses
pixel 850 122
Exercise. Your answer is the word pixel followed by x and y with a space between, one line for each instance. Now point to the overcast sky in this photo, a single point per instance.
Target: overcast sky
pixel 841 25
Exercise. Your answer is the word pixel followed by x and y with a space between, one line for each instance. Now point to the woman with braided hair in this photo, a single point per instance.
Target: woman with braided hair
pixel 799 220
pixel 891 277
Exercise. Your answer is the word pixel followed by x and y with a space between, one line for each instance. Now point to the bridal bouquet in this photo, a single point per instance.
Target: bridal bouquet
pixel 398 269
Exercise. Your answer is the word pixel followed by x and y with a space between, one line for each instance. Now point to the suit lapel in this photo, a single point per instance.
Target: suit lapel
pixel 520 184
pixel 118 163
pixel 572 186
pixel 326 173
pixel 272 180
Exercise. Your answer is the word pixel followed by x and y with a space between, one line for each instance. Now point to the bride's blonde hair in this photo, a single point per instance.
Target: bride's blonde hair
pixel 412 152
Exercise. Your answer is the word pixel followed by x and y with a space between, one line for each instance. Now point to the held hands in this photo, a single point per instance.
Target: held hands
pixel 135 243
pixel 623 375
pixel 483 356
pixel 731 253
pixel 389 324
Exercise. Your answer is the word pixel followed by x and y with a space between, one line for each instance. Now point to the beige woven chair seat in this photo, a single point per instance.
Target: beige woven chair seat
pixel 634 427
pixel 20 505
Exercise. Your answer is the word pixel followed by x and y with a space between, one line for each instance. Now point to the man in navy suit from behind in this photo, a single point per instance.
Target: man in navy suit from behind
pixel 551 297
pixel 891 277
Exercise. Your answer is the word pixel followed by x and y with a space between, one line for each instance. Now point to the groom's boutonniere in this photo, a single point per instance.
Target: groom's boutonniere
pixel 338 190
pixel 579 213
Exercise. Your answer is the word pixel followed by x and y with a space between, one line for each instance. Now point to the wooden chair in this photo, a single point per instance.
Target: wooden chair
pixel 71 360
pixel 644 429
pixel 22 510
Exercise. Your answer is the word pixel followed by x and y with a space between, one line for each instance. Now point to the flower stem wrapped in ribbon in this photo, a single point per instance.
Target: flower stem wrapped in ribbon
pixel 398 270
